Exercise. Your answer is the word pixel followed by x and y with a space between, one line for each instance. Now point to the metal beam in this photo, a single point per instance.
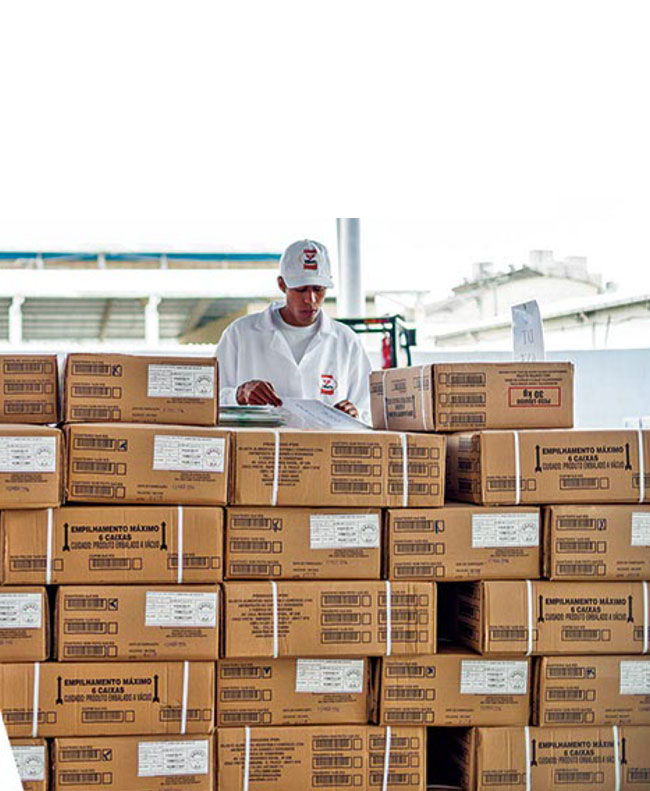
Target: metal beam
pixel 106 315
pixel 16 320
pixel 350 302
pixel 152 321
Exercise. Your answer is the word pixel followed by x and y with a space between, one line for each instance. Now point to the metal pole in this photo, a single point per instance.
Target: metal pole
pixel 152 322
pixel 350 302
pixel 16 321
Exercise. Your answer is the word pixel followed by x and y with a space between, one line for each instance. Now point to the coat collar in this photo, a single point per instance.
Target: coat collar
pixel 264 321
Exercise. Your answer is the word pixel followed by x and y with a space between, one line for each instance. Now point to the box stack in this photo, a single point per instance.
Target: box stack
pixel 541 554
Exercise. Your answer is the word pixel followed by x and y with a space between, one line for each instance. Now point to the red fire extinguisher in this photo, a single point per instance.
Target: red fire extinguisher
pixel 386 352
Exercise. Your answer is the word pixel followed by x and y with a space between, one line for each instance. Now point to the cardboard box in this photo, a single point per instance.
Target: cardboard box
pixel 303 543
pixel 455 688
pixel 330 691
pixel 136 763
pixel 606 542
pixel 112 544
pixel 594 690
pixel 316 757
pixel 24 624
pixel 29 388
pixel 599 466
pixel 31 466
pixel 132 463
pixel 129 388
pixel 110 698
pixel 463 542
pixel 153 622
pixel 576 758
pixel 541 617
pixel 32 761
pixel 345 469
pixel 320 619
pixel 462 396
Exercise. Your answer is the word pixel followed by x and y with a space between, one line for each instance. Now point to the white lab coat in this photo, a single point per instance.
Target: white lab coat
pixel 334 367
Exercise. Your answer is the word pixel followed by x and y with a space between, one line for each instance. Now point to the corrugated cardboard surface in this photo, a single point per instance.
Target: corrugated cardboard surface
pixel 576 758
pixel 605 542
pixel 462 396
pixel 76 699
pixel 137 622
pixel 31 466
pixel 566 617
pixel 136 763
pixel 29 388
pixel 120 544
pixel 459 542
pixel 455 689
pixel 141 389
pixel 24 624
pixel 303 543
pixel 298 759
pixel 329 618
pixel 33 763
pixel 131 463
pixel 294 691
pixel 555 466
pixel 316 468
pixel 592 690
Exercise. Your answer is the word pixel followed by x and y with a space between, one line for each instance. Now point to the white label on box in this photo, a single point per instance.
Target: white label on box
pixel 329 675
pixel 493 677
pixel 27 454
pixel 163 608
pixel 180 381
pixel 30 761
pixel 640 529
pixel 21 610
pixel 505 530
pixel 634 677
pixel 344 531
pixel 160 759
pixel 198 454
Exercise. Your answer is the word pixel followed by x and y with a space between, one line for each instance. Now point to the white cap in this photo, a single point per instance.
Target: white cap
pixel 306 263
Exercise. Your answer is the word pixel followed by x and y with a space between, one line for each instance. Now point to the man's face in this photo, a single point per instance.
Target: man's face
pixel 303 304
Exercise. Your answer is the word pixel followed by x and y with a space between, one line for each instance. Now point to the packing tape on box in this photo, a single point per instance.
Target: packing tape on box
pixel 529 617
pixel 646 616
pixel 384 398
pixel 422 401
pixel 179 542
pixel 35 698
pixel 48 548
pixel 274 594
pixel 384 782
pixel 276 468
pixel 389 619
pixel 515 435
pixel 528 756
pixel 641 466
pixel 617 765
pixel 186 684
pixel 405 470
pixel 247 757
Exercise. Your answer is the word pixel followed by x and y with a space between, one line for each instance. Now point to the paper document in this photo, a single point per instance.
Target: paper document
pixel 527 332
pixel 309 413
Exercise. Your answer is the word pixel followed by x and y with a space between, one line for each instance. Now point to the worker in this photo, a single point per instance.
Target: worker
pixel 293 349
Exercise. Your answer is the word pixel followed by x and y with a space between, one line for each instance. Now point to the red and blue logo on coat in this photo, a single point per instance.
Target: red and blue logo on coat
pixel 327 384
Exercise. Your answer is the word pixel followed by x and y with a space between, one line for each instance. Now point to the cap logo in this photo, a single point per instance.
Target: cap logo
pixel 310 259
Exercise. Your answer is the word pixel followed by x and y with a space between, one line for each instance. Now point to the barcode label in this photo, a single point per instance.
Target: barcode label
pixel 578 483
pixel 92 391
pixel 634 677
pixel 79 754
pixel 584 569
pixel 30 761
pixel 483 677
pixel 160 759
pixel 471 418
pixel 163 608
pixel 564 717
pixel 329 780
pixel 180 381
pixel 578 633
pixel 329 675
pixel 505 530
pixel 338 531
pixel 561 671
pixel 640 529
pixel 507 777
pixel 86 650
pixel 21 610
pixel 80 778
pixel 239 717
pixel 200 454
pixel 27 454
pixel 354 487
pixel 251 569
pixel 575 545
pixel 95 369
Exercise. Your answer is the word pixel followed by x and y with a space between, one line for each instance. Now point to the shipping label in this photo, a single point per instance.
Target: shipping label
pixel 185 608
pixel 505 530
pixel 180 381
pixel 27 454
pixel 21 610
pixel 329 675
pixel 30 761
pixel 338 531
pixel 634 677
pixel 161 759
pixel 492 677
pixel 640 529
pixel 198 454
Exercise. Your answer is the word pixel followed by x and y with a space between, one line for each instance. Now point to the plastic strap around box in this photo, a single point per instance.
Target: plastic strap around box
pixel 641 466
pixel 48 548
pixel 179 542
pixel 35 698
pixel 276 468
pixel 617 760
pixel 515 435
pixel 405 470
pixel 646 616
pixel 384 398
pixel 384 782
pixel 422 399
pixel 389 619
pixel 247 757
pixel 529 617
pixel 274 594
pixel 186 684
pixel 528 757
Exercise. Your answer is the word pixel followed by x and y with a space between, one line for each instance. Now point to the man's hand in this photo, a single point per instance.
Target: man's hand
pixel 348 407
pixel 257 392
